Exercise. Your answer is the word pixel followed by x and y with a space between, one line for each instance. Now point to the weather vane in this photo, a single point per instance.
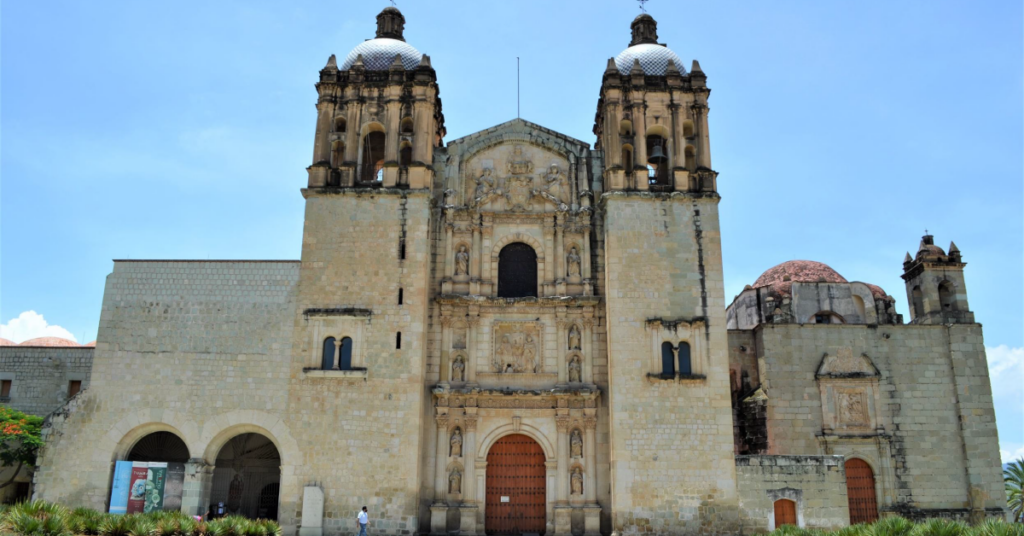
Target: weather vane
pixel 392 3
pixel 642 8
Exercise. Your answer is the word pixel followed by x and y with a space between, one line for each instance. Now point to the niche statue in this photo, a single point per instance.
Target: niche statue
pixel 575 370
pixel 573 262
pixel 576 444
pixel 462 261
pixel 455 481
pixel 577 481
pixel 459 370
pixel 456 443
pixel 574 338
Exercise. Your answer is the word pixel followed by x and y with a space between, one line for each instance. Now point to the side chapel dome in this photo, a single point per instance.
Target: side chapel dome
pixel 653 57
pixel 379 53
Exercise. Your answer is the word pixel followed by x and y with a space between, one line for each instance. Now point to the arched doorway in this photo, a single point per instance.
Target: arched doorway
pixel 158 461
pixel 247 477
pixel 159 447
pixel 516 486
pixel 860 491
pixel 517 271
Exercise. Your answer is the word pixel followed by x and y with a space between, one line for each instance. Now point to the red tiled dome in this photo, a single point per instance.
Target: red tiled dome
pixel 877 291
pixel 49 341
pixel 90 344
pixel 6 342
pixel 798 271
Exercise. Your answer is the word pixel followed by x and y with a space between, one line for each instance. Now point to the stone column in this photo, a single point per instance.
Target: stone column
pixel 481 490
pixel 352 133
pixel 552 493
pixel 560 337
pixel 549 247
pixel 590 455
pixel 700 122
pixel 562 423
pixel 449 251
pixel 393 115
pixel 586 252
pixel 472 351
pixel 441 476
pixel 446 344
pixel 640 147
pixel 195 493
pixel 469 457
pixel 559 247
pixel 587 339
pixel 474 260
pixel 322 147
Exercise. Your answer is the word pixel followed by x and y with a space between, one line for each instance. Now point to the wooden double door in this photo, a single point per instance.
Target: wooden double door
pixel 516 487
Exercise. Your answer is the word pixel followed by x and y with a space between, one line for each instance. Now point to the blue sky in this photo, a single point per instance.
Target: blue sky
pixel 841 131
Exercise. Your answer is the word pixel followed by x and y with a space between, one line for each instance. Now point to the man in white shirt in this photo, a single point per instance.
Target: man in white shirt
pixel 363 519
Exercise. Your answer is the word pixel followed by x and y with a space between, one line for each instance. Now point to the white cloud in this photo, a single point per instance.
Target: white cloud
pixel 29 325
pixel 1006 372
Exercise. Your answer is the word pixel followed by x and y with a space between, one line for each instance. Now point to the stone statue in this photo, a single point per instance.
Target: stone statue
pixel 573 262
pixel 553 181
pixel 459 370
pixel 235 493
pixel 576 444
pixel 456 443
pixel 518 164
pixel 574 338
pixel 462 261
pixel 530 355
pixel 577 481
pixel 484 184
pixel 455 481
pixel 575 370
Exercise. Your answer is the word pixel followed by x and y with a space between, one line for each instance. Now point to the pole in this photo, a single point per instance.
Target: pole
pixel 517 87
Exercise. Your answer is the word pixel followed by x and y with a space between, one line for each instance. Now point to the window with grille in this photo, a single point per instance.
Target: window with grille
pixel 517 271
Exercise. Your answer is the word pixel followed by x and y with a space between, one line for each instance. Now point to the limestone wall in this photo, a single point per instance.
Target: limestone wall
pixel 40 376
pixel 672 466
pixel 200 349
pixel 817 484
pixel 927 411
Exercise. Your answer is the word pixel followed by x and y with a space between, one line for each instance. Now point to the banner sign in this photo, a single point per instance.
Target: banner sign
pixel 155 480
pixel 137 490
pixel 119 489
pixel 174 486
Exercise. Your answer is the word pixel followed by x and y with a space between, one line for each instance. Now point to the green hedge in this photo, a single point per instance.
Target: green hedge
pixel 898 526
pixel 40 518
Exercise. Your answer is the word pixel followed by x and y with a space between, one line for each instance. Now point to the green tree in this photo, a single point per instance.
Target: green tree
pixel 20 439
pixel 1013 474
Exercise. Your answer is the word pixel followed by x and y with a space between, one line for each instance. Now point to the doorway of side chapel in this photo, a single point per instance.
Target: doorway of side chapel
pixel 516 487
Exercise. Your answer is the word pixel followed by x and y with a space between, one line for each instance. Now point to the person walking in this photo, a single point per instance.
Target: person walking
pixel 363 519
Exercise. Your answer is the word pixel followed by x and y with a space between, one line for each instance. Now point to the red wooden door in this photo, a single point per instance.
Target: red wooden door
pixel 860 491
pixel 785 512
pixel 516 486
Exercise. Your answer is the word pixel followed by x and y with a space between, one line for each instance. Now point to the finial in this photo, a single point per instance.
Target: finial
pixel 926 232
pixel 695 68
pixel 952 247
pixel 908 258
pixel 637 69
pixel 397 64
pixel 611 68
pixel 332 62
pixel 390 23
pixel 643 8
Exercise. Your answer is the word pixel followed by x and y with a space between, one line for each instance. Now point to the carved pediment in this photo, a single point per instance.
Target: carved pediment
pixel 843 364
pixel 518 178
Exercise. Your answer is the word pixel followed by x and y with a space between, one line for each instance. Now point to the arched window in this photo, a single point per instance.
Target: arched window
pixel 668 359
pixel 684 359
pixel 339 124
pixel 373 157
pixel 860 491
pixel 337 153
pixel 827 317
pixel 627 158
pixel 405 155
pixel 517 271
pixel 785 513
pixel 917 298
pixel 328 357
pixel 345 359
pixel 406 126
pixel 947 296
pixel 687 129
pixel 691 157
pixel 657 160
pixel 625 127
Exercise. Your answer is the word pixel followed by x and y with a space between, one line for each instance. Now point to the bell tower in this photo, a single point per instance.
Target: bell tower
pixel 651 119
pixel 936 290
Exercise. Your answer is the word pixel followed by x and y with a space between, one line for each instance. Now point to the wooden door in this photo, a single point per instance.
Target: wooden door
pixel 860 491
pixel 785 513
pixel 516 486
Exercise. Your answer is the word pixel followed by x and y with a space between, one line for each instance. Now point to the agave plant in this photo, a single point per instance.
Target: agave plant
pixel 1013 475
pixel 116 525
pixel 942 527
pixel 893 526
pixel 142 526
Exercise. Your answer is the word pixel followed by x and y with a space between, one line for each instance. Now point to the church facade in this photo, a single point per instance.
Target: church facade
pixel 518 332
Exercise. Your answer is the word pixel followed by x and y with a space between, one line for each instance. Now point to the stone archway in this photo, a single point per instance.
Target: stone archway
pixel 516 498
pixel 247 477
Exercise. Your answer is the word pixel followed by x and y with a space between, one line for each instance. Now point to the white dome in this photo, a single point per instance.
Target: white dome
pixel 653 59
pixel 378 54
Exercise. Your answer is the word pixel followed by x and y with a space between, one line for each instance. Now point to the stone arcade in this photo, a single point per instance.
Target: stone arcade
pixel 517 332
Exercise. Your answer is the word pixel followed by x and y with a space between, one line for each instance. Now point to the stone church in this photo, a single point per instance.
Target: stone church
pixel 519 332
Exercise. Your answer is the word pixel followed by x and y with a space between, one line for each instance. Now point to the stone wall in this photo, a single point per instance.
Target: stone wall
pixel 672 467
pixel 817 484
pixel 40 376
pixel 927 424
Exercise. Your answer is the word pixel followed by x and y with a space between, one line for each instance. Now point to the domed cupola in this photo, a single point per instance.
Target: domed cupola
pixel 644 47
pixel 378 54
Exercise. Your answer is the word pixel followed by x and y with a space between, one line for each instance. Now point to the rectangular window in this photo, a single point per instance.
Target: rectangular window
pixel 5 388
pixel 401 249
pixel 399 296
pixel 398 341
pixel 74 386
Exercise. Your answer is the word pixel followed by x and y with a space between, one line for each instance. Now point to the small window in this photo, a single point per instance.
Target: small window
pixel 668 359
pixel 822 319
pixel 399 296
pixel 74 386
pixel 406 126
pixel 328 357
pixel 345 359
pixel 401 249
pixel 5 388
pixel 339 124
pixel 373 157
pixel 627 157
pixel 398 341
pixel 684 359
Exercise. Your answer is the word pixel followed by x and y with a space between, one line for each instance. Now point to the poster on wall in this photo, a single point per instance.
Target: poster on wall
pixel 119 488
pixel 155 480
pixel 174 486
pixel 137 488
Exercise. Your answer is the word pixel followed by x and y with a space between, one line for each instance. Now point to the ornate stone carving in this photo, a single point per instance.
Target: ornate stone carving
pixel 456 444
pixel 517 348
pixel 484 185
pixel 575 369
pixel 470 424
pixel 462 261
pixel 844 364
pixel 455 481
pixel 576 481
pixel 574 337
pixel 459 370
pixel 576 444
pixel 852 407
pixel 572 262
pixel 516 403
pixel 442 421
pixel 562 422
pixel 517 163
pixel 590 422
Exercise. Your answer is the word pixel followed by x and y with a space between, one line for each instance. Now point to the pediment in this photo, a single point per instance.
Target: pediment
pixel 843 364
pixel 517 130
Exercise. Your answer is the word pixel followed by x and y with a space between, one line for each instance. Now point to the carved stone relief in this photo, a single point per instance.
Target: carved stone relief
pixel 851 405
pixel 519 187
pixel 517 348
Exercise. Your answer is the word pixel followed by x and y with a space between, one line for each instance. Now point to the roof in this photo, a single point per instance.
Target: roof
pixel 7 342
pixel 50 342
pixel 799 271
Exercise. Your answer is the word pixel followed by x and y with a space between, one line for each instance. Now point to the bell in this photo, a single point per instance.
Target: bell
pixel 657 157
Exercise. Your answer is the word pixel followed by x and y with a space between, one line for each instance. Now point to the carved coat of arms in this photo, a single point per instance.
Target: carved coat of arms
pixel 517 348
